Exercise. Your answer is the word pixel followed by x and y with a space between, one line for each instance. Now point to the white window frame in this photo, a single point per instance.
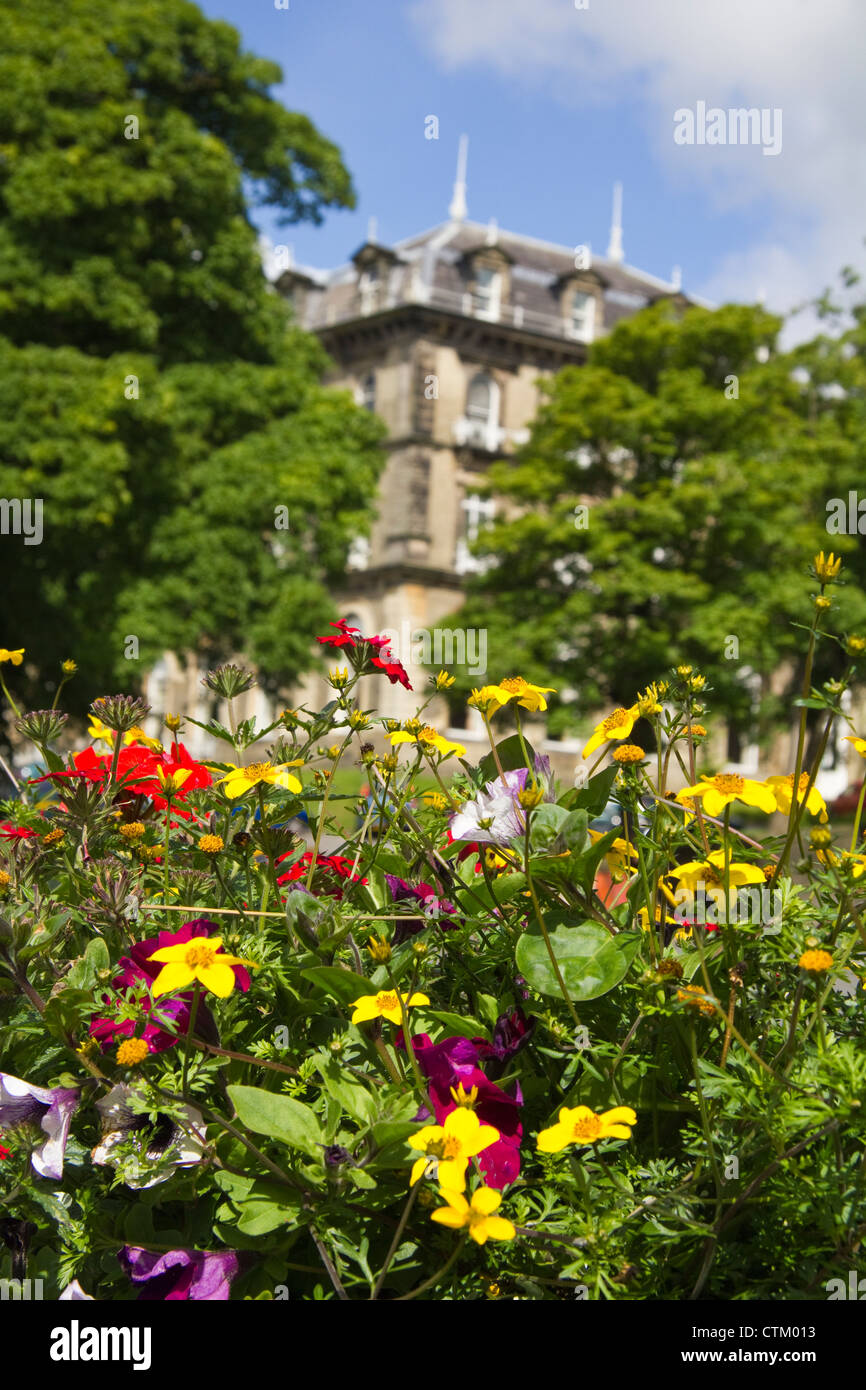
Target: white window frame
pixel 487 293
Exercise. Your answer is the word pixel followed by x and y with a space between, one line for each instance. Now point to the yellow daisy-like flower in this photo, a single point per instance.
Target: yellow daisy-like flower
pixel 858 743
pixel 719 791
pixel 828 569
pixel 242 779
pixel 649 703
pixel 428 738
pixel 584 1126
pixel 477 1214
pixel 443 681
pixel 450 1146
pixel 816 962
pixel 618 857
pixel 211 844
pixel 529 696
pixel 616 726
pixel 783 790
pixel 385 1004
pixel 15 657
pixel 100 733
pixel 199 960
pixel 710 874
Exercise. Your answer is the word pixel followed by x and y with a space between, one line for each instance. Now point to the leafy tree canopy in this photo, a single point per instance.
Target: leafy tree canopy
pixel 200 487
pixel 704 458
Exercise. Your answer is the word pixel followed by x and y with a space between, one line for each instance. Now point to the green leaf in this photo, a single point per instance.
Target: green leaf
pixel 592 962
pixel 280 1117
pixel 341 984
pixel 595 795
pixel 545 825
pixel 355 1099
pixel 460 1024
pixel 510 755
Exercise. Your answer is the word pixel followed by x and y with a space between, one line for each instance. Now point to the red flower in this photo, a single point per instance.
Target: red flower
pixel 16 832
pixel 327 865
pixel 346 636
pixel 4 1152
pixel 382 657
pixel 179 760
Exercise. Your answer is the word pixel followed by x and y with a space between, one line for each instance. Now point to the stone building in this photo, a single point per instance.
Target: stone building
pixel 445 336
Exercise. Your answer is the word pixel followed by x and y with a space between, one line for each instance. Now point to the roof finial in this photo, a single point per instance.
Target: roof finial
pixel 492 232
pixel 614 250
pixel 457 210
pixel 677 278
pixel 372 229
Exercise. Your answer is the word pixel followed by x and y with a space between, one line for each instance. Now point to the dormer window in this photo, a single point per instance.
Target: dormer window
pixel 582 322
pixel 368 288
pixel 487 292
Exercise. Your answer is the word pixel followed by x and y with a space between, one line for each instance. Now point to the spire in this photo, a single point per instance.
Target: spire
pixel 457 210
pixel 372 229
pixel 677 278
pixel 614 250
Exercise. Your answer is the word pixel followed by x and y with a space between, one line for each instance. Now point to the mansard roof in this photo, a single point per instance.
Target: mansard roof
pixel 431 268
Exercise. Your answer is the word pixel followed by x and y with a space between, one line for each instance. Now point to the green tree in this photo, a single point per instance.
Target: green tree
pixel 200 487
pixel 665 508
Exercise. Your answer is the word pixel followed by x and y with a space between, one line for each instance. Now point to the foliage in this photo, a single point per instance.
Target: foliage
pixel 153 394
pixel 704 458
pixel 701 1054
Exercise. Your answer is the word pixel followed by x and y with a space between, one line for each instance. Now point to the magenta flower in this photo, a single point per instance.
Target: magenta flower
pixel 137 972
pixel 52 1107
pixel 431 906
pixel 196 1276
pixel 453 1064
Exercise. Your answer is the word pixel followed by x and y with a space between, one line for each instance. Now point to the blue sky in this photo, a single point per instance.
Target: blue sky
pixel 559 102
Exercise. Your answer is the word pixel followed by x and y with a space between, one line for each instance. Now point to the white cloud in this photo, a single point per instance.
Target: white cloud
pixel 804 57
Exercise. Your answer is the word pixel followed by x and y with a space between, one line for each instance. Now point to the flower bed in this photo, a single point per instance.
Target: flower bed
pixel 491 1051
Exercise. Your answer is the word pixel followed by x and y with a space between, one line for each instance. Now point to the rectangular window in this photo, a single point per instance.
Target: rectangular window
pixel 582 317
pixel 485 299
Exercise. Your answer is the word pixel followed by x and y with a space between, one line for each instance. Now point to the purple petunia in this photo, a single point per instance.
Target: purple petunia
pixel 51 1107
pixel 196 1276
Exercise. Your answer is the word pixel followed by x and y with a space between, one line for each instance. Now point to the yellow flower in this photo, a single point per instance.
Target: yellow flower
pixel 816 962
pixel 211 844
pixel 15 657
pixel 483 700
pixel 616 726
pixel 827 570
pixel 648 703
pixel 710 873
pixel 530 696
pixel 859 744
pixel 171 782
pixel 477 1215
pixel 719 791
pixel 451 1146
pixel 243 779
pixel 783 790
pixel 443 681
pixel 617 856
pixel 693 997
pixel 385 1004
pixel 436 801
pixel 132 1051
pixel 428 738
pixel 100 733
pixel 132 830
pixel 199 960
pixel 379 949
pixel 68 667
pixel 628 753
pixel 583 1126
